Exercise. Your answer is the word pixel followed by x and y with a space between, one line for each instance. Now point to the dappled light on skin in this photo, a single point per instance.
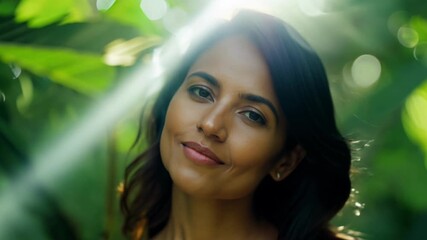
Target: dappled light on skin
pixel 366 70
pixel 414 118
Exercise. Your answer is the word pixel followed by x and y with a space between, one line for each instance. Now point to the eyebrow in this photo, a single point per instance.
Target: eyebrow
pixel 259 99
pixel 247 96
pixel 206 76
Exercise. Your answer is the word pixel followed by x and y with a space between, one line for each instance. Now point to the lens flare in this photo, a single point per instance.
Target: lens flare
pixel 154 9
pixel 60 156
pixel 312 7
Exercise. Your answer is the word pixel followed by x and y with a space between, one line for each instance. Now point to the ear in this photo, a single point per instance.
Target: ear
pixel 287 163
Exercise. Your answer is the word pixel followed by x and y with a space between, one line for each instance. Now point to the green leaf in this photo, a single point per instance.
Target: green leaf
pixel 129 12
pixel 82 37
pixel 7 7
pixel 83 72
pixel 40 13
pixel 419 24
pixel 80 11
pixel 414 117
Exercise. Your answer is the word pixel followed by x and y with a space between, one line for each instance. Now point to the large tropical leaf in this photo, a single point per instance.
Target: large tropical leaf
pixel 39 13
pixel 83 72
pixel 7 7
pixel 86 37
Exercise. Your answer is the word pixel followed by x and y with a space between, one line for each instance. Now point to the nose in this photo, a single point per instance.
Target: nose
pixel 212 125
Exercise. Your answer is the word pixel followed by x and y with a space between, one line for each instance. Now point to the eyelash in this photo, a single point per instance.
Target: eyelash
pixel 259 117
pixel 194 91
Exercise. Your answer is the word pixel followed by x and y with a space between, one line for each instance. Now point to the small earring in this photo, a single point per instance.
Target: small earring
pixel 278 175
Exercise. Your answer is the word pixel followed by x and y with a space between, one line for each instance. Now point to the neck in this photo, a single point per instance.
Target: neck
pixel 200 218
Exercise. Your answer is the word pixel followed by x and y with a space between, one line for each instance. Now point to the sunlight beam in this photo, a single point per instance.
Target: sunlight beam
pixel 62 155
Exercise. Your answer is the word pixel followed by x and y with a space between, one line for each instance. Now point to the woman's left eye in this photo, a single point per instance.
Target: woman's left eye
pixel 255 117
pixel 201 92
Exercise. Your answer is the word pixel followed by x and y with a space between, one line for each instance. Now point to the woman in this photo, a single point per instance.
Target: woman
pixel 242 142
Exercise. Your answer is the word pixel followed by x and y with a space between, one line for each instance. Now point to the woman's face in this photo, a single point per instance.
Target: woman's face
pixel 224 127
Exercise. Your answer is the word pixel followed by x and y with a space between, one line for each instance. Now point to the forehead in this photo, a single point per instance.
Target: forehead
pixel 235 61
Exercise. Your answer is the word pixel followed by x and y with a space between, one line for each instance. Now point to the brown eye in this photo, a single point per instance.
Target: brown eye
pixel 201 93
pixel 255 117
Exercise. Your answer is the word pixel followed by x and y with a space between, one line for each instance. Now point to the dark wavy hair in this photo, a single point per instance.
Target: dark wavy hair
pixel 300 206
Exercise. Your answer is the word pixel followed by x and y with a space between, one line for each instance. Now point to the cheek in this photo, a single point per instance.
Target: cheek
pixel 166 138
pixel 165 148
pixel 179 112
pixel 252 160
pixel 176 121
pixel 255 149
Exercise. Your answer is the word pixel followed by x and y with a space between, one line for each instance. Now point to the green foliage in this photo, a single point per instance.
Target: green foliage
pixel 414 118
pixel 129 13
pixel 83 72
pixel 419 24
pixel 7 7
pixel 44 12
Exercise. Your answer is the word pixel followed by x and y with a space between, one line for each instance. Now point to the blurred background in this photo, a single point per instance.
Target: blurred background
pixel 74 74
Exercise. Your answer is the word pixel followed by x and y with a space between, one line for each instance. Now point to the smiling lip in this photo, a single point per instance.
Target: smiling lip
pixel 200 154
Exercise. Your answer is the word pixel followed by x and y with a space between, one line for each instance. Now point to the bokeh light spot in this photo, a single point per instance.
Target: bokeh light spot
pixel 104 5
pixel 408 37
pixel 174 19
pixel 366 70
pixel 357 212
pixel 154 9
